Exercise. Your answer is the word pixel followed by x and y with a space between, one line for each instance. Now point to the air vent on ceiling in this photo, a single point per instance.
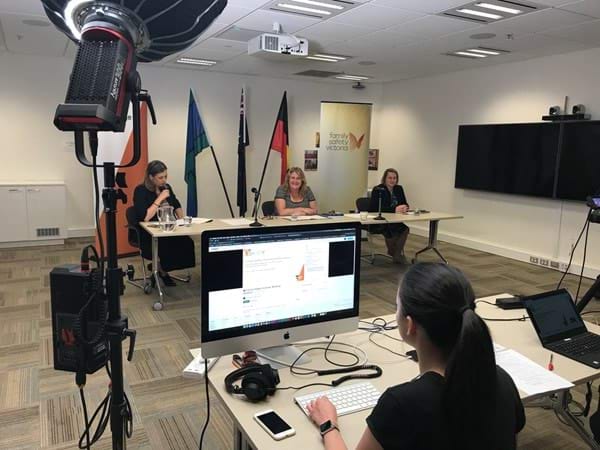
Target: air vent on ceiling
pixel 238 34
pixel 317 73
pixel 316 9
pixel 489 11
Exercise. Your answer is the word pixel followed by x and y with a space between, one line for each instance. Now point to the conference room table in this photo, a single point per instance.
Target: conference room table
pixel 196 229
pixel 516 335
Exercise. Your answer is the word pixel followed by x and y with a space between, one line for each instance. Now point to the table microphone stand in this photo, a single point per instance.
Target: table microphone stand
pixel 379 216
pixel 256 223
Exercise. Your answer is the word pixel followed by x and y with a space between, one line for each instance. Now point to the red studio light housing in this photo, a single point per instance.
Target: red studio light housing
pixel 112 37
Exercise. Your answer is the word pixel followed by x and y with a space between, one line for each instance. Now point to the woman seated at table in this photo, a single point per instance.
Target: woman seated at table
pixel 294 197
pixel 176 252
pixel 393 200
pixel 460 400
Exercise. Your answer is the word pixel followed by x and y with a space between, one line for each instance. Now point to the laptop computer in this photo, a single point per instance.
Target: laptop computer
pixel 560 327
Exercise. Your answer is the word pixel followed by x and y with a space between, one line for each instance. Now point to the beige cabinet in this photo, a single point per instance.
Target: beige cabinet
pixel 32 211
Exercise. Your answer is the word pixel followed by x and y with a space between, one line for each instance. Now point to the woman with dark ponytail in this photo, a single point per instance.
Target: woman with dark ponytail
pixel 461 400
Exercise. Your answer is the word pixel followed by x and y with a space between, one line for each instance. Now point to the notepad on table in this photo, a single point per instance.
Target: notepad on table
pixel 528 376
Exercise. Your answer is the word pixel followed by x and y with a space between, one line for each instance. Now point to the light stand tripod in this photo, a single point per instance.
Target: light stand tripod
pixel 256 223
pixel 117 324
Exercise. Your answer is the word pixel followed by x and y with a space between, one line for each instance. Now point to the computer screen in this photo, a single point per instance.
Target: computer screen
pixel 553 314
pixel 271 286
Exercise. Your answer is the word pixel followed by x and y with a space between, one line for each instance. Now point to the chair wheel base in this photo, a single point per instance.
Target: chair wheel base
pixel 147 288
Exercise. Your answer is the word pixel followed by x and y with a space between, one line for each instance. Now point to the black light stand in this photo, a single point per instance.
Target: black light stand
pixel 379 216
pixel 117 324
pixel 256 223
pixel 592 292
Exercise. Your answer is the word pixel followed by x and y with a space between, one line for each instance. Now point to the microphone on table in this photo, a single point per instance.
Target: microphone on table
pixel 379 216
pixel 256 193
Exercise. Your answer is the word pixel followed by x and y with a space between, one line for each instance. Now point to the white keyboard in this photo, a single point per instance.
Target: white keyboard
pixel 346 399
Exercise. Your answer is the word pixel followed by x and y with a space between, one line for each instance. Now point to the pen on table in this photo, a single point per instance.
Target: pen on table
pixel 550 364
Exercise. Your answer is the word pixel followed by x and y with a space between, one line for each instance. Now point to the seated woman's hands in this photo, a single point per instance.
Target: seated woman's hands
pixel 321 410
pixel 401 209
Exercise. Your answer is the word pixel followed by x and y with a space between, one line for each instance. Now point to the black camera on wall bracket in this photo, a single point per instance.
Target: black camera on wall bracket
pixel 593 201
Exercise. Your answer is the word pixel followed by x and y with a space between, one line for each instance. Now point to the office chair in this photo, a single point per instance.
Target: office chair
pixel 268 208
pixel 133 237
pixel 362 204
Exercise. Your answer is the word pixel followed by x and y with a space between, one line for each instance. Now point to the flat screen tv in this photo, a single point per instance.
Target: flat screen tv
pixel 579 168
pixel 509 158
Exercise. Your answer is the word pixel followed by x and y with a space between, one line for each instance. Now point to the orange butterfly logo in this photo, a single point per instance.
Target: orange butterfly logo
pixel 355 143
pixel 300 276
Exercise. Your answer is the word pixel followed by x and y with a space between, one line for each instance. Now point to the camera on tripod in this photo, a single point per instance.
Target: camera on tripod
pixel 593 202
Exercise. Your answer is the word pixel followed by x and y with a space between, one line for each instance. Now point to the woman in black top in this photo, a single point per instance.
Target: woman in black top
pixel 176 252
pixel 393 200
pixel 461 400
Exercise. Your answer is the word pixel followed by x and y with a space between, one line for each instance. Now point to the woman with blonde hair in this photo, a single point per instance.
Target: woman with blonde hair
pixel 294 197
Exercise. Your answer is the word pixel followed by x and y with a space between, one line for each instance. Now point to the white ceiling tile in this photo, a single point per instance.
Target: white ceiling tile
pixel 425 6
pixel 263 21
pixel 553 2
pixel 224 45
pixel 23 7
pixel 434 26
pixel 252 4
pixel 233 13
pixel 328 31
pixel 214 28
pixel 381 41
pixel 587 7
pixel 205 53
pixel 588 33
pixel 32 40
pixel 538 21
pixel 375 17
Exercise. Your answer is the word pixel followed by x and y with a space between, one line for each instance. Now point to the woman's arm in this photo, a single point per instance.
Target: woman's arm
pixel 179 213
pixel 313 208
pixel 283 211
pixel 153 208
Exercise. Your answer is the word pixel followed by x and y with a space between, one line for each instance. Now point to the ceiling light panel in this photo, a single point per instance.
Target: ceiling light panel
pixel 477 52
pixel 320 9
pixel 491 11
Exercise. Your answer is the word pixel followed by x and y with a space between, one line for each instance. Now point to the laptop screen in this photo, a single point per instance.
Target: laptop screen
pixel 553 314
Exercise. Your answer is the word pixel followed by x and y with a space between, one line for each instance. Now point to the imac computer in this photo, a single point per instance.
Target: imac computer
pixel 264 288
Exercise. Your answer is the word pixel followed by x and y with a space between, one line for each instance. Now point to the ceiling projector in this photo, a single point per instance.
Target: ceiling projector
pixel 272 45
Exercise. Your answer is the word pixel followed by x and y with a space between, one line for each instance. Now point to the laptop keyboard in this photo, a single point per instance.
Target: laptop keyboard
pixel 579 345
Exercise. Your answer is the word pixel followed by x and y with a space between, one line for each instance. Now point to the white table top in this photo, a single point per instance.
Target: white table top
pixel 519 336
pixel 197 229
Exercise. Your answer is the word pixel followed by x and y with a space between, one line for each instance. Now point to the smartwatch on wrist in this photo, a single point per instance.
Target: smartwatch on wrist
pixel 326 427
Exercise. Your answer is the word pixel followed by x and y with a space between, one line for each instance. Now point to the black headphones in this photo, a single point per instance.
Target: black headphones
pixel 258 381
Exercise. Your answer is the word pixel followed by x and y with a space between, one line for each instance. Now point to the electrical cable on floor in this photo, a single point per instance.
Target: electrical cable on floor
pixel 207 404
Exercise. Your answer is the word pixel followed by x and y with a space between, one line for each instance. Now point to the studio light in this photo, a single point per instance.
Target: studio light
pixel 112 37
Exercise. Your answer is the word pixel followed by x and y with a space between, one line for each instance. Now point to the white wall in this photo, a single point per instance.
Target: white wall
pixel 418 135
pixel 32 149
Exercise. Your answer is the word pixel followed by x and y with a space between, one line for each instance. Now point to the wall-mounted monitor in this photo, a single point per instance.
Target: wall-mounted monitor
pixel 509 158
pixel 579 168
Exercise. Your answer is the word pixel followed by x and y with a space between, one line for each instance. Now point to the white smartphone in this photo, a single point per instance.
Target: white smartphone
pixel 274 425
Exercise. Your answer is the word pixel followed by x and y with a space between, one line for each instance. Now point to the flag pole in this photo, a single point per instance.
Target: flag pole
pixel 212 150
pixel 262 177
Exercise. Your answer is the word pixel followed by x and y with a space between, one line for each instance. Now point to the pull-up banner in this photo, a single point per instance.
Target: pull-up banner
pixel 118 148
pixel 343 154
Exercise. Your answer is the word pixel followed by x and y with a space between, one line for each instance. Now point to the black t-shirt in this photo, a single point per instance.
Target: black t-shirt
pixel 143 198
pixel 410 416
